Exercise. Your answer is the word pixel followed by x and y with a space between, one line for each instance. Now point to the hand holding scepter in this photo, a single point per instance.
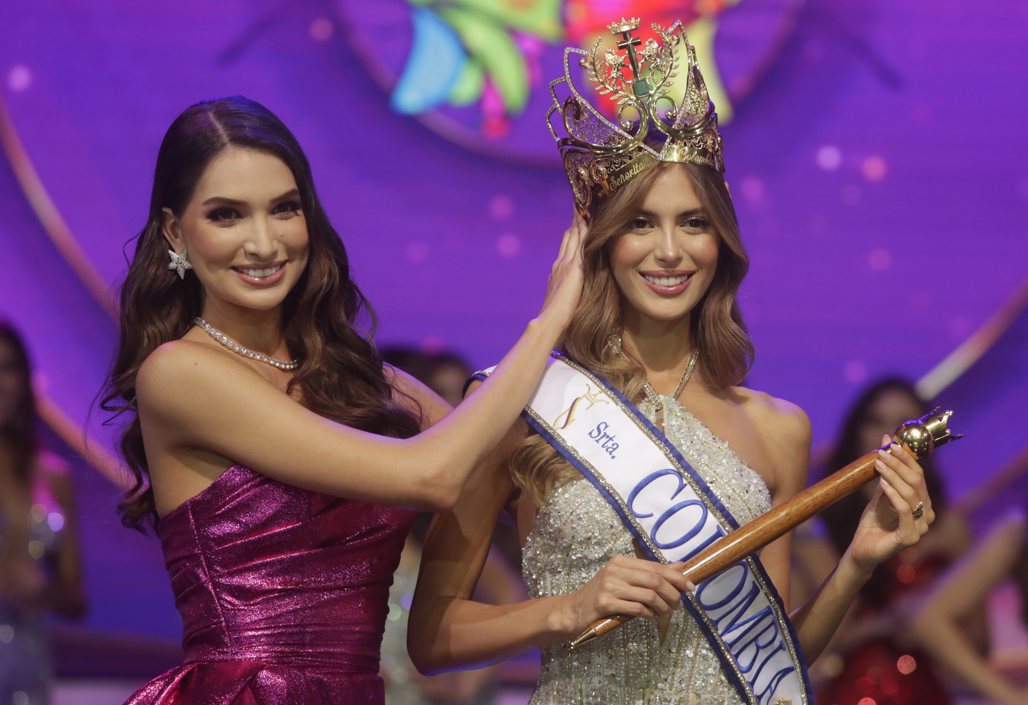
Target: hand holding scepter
pixel 920 437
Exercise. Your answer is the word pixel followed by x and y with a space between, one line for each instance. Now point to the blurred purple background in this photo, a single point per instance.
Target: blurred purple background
pixel 877 154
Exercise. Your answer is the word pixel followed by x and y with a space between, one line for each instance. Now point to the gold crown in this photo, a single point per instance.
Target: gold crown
pixel 600 155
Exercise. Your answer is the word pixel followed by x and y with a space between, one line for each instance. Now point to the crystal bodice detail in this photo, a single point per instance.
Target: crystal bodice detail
pixel 576 532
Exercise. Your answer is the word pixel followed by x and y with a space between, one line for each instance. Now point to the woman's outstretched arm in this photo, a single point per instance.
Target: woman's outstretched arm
pixel 198 404
pixel 936 625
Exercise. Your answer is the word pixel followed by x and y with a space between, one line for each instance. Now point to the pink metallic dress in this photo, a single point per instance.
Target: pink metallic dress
pixel 283 595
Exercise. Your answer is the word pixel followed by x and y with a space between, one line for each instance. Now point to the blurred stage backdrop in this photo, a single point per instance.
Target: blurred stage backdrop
pixel 876 150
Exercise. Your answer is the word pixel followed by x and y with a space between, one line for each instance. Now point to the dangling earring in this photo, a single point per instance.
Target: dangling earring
pixel 180 263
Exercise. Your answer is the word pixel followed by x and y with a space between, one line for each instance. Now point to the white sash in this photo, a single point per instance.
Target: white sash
pixel 673 515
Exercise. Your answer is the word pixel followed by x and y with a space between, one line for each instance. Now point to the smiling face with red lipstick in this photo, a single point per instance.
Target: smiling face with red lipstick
pixel 244 231
pixel 665 258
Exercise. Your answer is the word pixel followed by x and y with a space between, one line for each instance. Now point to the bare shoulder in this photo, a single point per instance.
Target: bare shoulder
pixel 185 359
pixel 416 396
pixel 177 360
pixel 780 421
pixel 785 432
pixel 181 373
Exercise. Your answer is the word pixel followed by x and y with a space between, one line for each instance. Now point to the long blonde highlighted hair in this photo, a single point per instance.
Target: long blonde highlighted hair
pixel 716 326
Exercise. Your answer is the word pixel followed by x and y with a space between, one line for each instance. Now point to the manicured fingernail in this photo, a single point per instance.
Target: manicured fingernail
pixel 880 464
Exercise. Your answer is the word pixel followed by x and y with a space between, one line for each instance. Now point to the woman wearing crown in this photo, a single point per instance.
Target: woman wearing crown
pixel 277 456
pixel 639 449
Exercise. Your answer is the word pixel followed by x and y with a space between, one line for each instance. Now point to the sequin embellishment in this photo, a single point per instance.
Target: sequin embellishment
pixel 576 533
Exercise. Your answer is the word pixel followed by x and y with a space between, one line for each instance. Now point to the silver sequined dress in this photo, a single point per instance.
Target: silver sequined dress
pixel 576 533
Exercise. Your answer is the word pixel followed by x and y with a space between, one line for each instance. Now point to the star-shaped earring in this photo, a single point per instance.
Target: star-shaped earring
pixel 180 263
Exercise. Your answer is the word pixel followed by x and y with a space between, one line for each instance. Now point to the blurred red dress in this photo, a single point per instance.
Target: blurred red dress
pixel 882 672
pixel 282 592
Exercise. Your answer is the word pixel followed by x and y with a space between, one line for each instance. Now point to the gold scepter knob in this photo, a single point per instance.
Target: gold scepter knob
pixel 920 436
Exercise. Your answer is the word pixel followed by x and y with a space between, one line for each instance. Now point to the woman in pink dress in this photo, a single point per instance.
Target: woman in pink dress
pixel 276 456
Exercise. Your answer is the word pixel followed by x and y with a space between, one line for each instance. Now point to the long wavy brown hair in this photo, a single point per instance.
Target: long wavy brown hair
pixel 716 325
pixel 340 374
pixel 20 431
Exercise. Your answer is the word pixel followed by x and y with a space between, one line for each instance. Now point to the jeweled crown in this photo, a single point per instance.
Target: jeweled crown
pixel 651 126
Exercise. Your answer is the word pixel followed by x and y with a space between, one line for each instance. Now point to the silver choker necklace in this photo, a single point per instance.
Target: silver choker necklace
pixel 240 350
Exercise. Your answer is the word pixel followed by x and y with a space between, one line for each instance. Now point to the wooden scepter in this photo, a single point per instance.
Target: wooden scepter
pixel 920 437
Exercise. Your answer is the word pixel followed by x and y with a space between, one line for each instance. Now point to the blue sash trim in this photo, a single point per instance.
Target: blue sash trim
pixel 724 519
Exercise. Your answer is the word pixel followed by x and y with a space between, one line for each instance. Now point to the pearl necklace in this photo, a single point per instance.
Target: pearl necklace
pixel 244 351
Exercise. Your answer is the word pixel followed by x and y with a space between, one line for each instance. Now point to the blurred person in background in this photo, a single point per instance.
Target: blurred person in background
pixel 1001 556
pixel 869 657
pixel 40 567
pixel 445 373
